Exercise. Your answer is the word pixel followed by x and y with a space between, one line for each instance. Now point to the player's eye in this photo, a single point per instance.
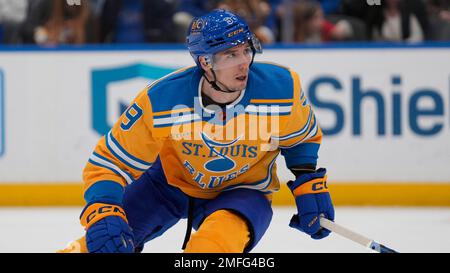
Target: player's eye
pixel 248 51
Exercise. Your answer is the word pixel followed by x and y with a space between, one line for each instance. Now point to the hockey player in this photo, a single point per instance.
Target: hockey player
pixel 201 144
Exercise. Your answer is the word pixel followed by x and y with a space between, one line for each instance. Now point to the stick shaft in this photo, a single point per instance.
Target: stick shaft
pixel 355 237
pixel 345 232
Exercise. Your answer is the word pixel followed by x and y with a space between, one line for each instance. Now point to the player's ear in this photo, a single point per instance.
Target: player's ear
pixel 205 63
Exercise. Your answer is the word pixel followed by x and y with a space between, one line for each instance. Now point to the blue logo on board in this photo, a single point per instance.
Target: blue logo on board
pixel 101 78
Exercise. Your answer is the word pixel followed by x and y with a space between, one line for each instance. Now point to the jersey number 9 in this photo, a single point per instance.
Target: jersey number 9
pixel 132 115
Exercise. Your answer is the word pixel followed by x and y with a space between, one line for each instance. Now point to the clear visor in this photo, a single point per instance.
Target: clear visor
pixel 241 54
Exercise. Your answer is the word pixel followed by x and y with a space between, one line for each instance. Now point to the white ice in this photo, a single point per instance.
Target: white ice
pixel 409 229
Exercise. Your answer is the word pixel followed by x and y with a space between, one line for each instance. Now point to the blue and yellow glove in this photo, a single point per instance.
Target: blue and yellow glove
pixel 313 200
pixel 107 229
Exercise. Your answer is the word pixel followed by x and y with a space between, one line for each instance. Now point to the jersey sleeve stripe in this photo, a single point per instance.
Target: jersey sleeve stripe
pixel 268 109
pixel 272 101
pixel 297 133
pixel 120 153
pixel 311 134
pixel 171 112
pixel 175 120
pixel 101 161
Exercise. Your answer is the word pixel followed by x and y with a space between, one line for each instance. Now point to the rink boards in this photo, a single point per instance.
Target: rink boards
pixel 384 111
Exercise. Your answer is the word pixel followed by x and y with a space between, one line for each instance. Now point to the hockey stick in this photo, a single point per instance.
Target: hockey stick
pixel 355 237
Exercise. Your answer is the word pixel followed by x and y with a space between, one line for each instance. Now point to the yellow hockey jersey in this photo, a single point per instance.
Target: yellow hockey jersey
pixel 206 151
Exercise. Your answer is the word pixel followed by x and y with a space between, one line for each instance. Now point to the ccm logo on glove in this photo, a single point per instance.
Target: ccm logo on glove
pixel 315 186
pixel 98 211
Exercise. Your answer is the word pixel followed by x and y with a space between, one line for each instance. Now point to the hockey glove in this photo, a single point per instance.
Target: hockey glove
pixel 107 229
pixel 313 200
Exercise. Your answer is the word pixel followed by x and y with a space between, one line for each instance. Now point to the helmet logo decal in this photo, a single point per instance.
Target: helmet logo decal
pixel 229 20
pixel 197 25
pixel 231 34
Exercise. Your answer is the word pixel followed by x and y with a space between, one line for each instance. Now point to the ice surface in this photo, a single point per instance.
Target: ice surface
pixel 409 229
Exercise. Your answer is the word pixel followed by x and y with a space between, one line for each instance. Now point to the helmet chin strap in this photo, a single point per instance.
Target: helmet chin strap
pixel 215 86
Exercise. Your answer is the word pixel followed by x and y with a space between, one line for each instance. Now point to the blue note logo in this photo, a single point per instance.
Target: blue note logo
pixel 222 164
pixel 105 100
pixel 2 115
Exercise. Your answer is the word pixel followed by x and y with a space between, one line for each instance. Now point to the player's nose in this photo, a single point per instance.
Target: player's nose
pixel 244 66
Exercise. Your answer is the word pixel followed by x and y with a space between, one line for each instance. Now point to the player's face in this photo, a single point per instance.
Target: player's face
pixel 232 66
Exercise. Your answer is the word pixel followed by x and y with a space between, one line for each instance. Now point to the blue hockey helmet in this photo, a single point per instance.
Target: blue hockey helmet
pixel 217 31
